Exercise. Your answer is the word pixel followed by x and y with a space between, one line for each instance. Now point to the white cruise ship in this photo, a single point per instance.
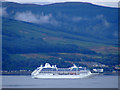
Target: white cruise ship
pixel 49 71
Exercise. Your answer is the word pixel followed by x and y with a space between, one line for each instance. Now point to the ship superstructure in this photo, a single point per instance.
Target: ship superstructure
pixel 49 71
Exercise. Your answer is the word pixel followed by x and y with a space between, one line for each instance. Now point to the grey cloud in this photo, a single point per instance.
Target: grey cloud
pixel 99 16
pixel 104 21
pixel 3 12
pixel 115 33
pixel 98 22
pixel 35 18
pixel 76 19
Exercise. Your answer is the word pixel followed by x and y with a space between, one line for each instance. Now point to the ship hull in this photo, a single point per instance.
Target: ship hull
pixel 49 71
pixel 61 76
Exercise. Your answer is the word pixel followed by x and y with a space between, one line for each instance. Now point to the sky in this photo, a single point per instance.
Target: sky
pixel 109 3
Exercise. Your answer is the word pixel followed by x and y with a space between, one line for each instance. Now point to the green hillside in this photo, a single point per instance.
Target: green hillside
pixel 61 34
pixel 26 46
pixel 21 37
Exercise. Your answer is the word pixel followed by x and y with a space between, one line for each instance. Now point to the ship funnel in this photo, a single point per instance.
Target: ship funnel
pixel 52 66
pixel 47 65
pixel 74 66
pixel 80 67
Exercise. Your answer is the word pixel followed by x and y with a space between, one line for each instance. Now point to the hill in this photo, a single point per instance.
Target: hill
pixel 61 34
pixel 28 38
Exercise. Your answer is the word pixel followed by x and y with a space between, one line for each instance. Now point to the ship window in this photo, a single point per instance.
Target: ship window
pixel 48 69
pixel 75 69
pixel 81 69
pixel 63 69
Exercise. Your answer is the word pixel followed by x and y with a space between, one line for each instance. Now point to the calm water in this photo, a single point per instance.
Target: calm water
pixel 98 81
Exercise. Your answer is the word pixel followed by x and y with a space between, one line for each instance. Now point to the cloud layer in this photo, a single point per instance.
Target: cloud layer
pixel 103 20
pixel 34 18
pixel 3 12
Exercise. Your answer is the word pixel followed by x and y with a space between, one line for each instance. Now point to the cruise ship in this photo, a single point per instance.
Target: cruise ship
pixel 51 71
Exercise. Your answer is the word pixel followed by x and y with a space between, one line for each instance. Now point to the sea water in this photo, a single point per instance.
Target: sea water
pixel 98 81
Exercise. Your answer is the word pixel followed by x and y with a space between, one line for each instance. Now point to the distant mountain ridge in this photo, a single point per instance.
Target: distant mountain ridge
pixel 113 4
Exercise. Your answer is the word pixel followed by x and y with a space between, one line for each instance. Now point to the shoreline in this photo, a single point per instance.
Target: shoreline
pixel 25 72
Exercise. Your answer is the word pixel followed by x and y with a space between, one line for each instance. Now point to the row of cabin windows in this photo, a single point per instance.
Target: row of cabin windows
pixel 54 69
